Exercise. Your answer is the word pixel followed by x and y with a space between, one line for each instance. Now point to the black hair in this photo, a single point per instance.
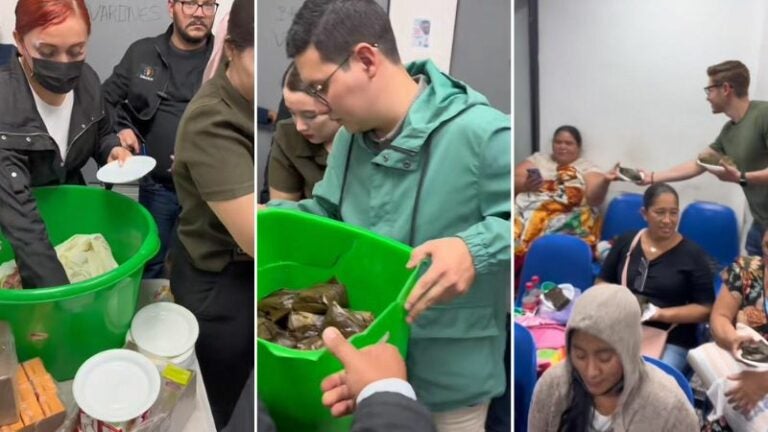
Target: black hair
pixel 291 79
pixel 334 27
pixel 240 25
pixel 578 416
pixel 571 130
pixel 654 191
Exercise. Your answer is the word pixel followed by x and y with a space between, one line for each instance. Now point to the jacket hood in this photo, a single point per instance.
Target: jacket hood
pixel 611 313
pixel 443 99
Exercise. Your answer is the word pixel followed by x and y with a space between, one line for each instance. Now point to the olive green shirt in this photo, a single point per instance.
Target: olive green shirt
pixel 213 162
pixel 746 142
pixel 295 164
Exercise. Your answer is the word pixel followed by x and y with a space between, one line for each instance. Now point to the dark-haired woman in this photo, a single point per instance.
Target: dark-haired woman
pixel 212 261
pixel 604 384
pixel 673 273
pixel 558 192
pixel 52 121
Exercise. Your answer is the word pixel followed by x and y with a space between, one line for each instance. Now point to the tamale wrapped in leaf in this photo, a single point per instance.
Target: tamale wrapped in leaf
pixel 278 304
pixel 267 329
pixel 285 339
pixel 756 352
pixel 348 323
pixel 316 299
pixel 310 343
pixel 303 321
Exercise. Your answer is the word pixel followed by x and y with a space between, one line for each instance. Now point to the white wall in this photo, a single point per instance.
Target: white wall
pixel 7 20
pixel 629 74
pixel 522 77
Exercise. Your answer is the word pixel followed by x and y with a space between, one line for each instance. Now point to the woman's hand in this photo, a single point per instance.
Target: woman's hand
pixel 736 341
pixel 750 389
pixel 119 154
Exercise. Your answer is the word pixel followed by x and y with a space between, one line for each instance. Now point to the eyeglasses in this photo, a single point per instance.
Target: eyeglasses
pixel 321 89
pixel 642 269
pixel 708 89
pixel 191 7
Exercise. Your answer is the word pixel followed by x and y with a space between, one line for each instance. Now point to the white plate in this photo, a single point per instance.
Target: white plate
pixel 116 385
pixel 711 168
pixel 133 169
pixel 164 329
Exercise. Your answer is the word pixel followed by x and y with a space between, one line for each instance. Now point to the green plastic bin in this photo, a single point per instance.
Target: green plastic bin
pixel 297 250
pixel 67 325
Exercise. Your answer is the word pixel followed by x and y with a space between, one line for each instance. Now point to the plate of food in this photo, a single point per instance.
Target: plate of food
pixel 630 174
pixel 754 353
pixel 712 162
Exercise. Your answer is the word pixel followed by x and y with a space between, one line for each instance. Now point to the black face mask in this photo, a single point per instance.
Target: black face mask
pixel 57 77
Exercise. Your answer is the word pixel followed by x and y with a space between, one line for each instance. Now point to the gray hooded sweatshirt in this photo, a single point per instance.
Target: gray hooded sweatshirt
pixel 650 401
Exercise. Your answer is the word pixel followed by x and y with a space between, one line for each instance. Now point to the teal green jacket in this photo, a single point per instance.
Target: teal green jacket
pixel 446 174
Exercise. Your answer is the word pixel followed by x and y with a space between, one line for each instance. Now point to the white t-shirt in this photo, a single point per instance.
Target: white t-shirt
pixel 56 119
pixel 600 423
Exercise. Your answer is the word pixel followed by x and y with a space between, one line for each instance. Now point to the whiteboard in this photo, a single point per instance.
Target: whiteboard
pixel 115 24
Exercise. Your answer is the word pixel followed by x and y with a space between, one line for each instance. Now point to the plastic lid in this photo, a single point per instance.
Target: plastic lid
pixel 165 329
pixel 116 385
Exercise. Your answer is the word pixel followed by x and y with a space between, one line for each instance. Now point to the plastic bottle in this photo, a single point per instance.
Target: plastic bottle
pixel 536 287
pixel 530 298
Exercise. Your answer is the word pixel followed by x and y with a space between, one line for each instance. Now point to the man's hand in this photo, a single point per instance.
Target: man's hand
pixel 751 388
pixel 128 140
pixel 361 368
pixel 450 274
pixel 119 154
pixel 729 174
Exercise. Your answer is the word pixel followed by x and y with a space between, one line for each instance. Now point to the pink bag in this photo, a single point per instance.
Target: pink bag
pixel 654 339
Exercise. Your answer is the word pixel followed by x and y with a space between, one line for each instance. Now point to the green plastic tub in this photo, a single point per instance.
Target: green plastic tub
pixel 297 250
pixel 67 325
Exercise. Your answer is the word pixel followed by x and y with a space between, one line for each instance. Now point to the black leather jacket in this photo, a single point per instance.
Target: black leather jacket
pixel 29 157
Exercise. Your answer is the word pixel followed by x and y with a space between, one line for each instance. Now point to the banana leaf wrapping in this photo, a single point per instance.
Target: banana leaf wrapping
pixel 348 322
pixel 296 319
pixel 316 299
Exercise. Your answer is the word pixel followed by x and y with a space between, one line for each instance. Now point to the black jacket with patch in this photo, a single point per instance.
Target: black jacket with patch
pixel 140 81
pixel 29 157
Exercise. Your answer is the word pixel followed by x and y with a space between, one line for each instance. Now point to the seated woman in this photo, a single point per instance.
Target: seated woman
pixel 742 299
pixel 672 273
pixel 604 385
pixel 558 192
pixel 301 144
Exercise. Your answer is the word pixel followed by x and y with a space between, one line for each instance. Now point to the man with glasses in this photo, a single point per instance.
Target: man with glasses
pixel 148 92
pixel 744 139
pixel 423 159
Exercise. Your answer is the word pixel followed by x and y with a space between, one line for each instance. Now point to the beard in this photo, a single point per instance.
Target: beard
pixel 184 34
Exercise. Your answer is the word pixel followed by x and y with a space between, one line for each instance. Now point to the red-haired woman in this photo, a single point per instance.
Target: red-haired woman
pixel 52 120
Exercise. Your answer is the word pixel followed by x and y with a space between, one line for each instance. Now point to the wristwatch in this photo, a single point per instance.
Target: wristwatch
pixel 743 179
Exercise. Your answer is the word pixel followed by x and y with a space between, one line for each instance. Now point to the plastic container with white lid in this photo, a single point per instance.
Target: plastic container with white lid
pixel 165 330
pixel 116 386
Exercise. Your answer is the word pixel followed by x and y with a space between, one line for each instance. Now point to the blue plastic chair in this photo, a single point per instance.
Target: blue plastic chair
pixel 558 258
pixel 674 373
pixel 525 376
pixel 623 215
pixel 714 227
